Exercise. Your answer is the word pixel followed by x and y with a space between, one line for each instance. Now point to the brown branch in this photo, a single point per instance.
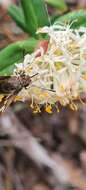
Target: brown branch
pixel 23 139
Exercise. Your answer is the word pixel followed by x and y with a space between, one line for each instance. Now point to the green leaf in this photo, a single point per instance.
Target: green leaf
pixel 17 14
pixel 14 53
pixel 60 4
pixel 7 71
pixel 77 17
pixel 35 14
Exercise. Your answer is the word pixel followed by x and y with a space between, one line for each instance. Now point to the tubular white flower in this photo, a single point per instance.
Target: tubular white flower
pixel 62 69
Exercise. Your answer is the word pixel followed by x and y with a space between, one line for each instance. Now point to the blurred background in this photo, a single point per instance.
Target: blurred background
pixel 40 151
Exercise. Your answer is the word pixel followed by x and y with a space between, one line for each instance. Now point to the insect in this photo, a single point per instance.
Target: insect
pixel 10 86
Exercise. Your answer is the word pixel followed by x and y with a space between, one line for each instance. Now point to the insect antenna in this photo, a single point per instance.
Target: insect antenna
pixel 34 75
pixel 51 90
pixel 46 89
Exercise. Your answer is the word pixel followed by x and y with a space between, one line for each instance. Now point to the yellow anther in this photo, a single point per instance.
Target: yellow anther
pixel 48 109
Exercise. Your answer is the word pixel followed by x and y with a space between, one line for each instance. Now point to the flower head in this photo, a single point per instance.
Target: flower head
pixel 61 69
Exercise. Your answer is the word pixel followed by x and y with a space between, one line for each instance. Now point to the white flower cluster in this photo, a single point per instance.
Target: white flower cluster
pixel 61 69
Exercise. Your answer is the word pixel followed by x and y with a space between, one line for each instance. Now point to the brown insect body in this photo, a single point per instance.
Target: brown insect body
pixel 10 86
pixel 14 83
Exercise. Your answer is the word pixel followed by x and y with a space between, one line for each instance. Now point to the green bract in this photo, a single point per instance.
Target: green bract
pixel 14 53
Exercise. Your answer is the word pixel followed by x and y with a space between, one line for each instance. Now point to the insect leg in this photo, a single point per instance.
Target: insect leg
pixel 6 101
